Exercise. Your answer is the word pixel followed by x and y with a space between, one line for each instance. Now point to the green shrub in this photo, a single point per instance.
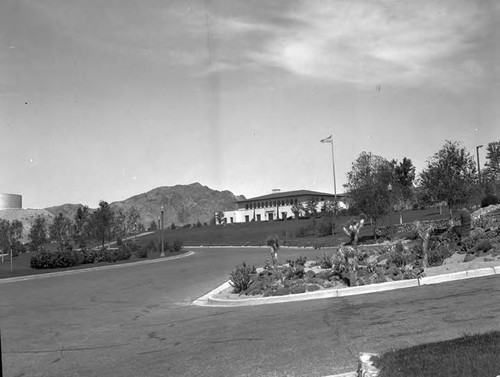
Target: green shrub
pixel 57 259
pixel 325 261
pixel 437 253
pixel 489 200
pixel 177 245
pixel 241 277
pixel 142 252
pixel 324 227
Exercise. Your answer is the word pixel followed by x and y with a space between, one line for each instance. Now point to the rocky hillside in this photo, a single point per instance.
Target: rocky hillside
pixel 183 204
pixel 26 216
pixel 68 210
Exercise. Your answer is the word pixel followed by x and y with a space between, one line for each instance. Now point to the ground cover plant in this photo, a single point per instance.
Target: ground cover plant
pixel 470 355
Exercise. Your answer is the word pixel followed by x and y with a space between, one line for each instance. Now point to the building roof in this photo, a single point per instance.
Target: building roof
pixel 288 194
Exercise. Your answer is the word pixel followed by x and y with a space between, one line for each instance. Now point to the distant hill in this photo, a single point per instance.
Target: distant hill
pixel 183 204
pixel 68 210
pixel 26 216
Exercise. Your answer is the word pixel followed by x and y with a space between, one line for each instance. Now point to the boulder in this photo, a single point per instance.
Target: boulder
pixel 469 257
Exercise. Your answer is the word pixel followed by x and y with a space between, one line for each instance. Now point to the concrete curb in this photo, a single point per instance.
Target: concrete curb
pixel 209 300
pixel 256 247
pixel 100 268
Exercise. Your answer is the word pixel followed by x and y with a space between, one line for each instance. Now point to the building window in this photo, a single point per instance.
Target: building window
pixel 246 206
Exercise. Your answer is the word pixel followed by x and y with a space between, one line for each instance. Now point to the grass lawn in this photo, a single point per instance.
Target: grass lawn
pixel 469 356
pixel 21 264
pixel 255 233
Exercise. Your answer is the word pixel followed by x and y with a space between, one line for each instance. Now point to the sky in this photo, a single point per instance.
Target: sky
pixel 103 100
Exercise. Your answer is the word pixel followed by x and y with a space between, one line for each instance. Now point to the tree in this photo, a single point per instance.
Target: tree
pixel 450 175
pixel 10 235
pixel 153 226
pixel 38 233
pixel 119 223
pixel 60 231
pixel 367 185
pixel 82 232
pixel 491 172
pixel 102 222
pixel 133 217
pixel 403 177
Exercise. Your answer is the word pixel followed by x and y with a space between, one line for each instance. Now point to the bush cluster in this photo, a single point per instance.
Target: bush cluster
pixel 60 259
pixel 321 227
pixel 55 259
pixel 489 200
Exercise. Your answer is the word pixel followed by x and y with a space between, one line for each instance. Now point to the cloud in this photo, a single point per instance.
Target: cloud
pixel 376 42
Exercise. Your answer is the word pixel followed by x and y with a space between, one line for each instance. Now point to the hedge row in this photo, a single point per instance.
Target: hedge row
pixel 60 259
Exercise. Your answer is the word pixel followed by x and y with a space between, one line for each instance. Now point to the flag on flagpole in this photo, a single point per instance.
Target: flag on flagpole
pixel 329 139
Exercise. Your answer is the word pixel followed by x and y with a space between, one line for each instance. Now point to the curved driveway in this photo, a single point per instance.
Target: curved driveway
pixel 138 321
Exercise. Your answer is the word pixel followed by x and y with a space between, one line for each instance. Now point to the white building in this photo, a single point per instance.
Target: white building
pixel 278 205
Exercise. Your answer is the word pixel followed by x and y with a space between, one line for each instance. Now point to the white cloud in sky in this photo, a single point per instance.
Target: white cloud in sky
pixel 370 42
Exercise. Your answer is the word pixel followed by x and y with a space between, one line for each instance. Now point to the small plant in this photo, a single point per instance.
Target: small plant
pixel 177 246
pixel 241 277
pixel 274 244
pixel 325 261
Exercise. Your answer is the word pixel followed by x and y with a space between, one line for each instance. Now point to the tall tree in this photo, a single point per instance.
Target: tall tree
pixel 61 231
pixel 119 223
pixel 367 184
pixel 450 175
pixel 38 233
pixel 10 235
pixel 491 172
pixel 82 229
pixel 403 177
pixel 102 222
pixel 133 217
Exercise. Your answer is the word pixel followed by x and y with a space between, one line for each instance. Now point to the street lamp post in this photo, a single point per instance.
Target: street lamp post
pixel 162 235
pixel 389 188
pixel 478 166
pixel 159 232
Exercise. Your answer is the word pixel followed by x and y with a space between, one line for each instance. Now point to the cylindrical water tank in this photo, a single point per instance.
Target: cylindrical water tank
pixel 11 201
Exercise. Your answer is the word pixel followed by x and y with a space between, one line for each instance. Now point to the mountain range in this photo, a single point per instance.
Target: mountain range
pixel 182 204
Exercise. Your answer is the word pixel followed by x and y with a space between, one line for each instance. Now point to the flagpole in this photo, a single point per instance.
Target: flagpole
pixel 334 182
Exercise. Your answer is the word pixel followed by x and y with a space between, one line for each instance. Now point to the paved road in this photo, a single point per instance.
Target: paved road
pixel 137 321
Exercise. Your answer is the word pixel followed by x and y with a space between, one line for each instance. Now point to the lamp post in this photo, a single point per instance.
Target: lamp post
pixel 389 188
pixel 478 166
pixel 162 235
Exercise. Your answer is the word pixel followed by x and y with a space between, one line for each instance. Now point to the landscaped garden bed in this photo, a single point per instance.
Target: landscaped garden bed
pixel 422 250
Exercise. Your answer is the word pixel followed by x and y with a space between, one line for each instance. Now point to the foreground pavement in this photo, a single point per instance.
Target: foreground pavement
pixel 139 321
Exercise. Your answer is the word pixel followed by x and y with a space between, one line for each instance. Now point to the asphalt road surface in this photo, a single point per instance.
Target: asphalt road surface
pixel 138 321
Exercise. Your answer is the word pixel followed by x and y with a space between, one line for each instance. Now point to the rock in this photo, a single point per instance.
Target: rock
pixel 328 284
pixel 469 257
pixel 312 287
pixel 298 289
pixel 310 274
pixel 455 258
pixel 366 367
